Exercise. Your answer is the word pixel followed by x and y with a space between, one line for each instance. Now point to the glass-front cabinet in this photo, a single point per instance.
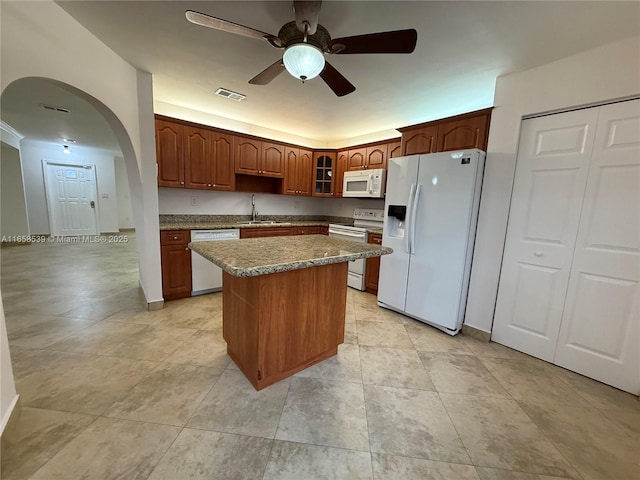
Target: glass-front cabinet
pixel 324 169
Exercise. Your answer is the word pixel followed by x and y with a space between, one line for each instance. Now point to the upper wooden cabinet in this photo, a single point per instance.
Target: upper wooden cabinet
pixel 297 171
pixel 324 170
pixel 272 160
pixel 254 157
pixel 421 140
pixel 248 156
pixel 394 149
pixel 341 167
pixel 193 157
pixel 469 130
pixel 357 159
pixel 222 172
pixel 461 134
pixel 376 156
pixel 369 156
pixel 170 154
pixel 197 147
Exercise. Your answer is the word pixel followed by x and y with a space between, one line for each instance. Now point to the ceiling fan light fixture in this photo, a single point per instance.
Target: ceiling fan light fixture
pixel 303 61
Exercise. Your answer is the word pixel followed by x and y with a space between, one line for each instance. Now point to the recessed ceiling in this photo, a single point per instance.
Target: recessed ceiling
pixel 462 48
pixel 22 110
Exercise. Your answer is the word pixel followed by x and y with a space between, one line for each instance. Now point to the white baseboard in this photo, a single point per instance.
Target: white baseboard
pixel 7 415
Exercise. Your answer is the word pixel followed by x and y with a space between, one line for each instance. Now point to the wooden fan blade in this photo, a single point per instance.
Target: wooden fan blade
pixel 307 11
pixel 336 82
pixel 226 26
pixel 398 41
pixel 268 74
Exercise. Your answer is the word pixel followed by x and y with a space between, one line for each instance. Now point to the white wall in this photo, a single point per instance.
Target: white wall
pixel 8 395
pixel 33 152
pixel 13 208
pixel 39 39
pixel 125 214
pixel 178 201
pixel 597 75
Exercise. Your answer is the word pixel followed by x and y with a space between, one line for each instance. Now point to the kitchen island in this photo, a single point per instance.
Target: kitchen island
pixel 284 300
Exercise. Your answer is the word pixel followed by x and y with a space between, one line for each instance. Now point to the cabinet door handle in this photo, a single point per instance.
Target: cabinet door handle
pixel 186 248
pixel 175 238
pixel 181 183
pixel 538 254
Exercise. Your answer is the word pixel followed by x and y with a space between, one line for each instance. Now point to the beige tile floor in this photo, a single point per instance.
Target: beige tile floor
pixel 111 391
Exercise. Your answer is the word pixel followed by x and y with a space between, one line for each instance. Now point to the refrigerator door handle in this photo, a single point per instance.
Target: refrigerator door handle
pixel 414 214
pixel 407 243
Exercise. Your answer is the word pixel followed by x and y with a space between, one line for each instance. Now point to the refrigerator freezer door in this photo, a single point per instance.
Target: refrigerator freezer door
pixel 394 268
pixel 444 209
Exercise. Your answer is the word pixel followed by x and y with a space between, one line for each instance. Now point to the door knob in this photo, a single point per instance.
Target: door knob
pixel 93 204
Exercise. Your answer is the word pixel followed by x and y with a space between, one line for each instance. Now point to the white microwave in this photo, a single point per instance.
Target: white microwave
pixel 364 183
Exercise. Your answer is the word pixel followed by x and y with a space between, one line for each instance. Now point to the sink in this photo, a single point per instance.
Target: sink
pixel 263 222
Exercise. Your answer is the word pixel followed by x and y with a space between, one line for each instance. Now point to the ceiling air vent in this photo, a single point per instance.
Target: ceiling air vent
pixel 223 92
pixel 55 109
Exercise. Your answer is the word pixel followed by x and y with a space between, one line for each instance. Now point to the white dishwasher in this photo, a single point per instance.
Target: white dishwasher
pixel 206 277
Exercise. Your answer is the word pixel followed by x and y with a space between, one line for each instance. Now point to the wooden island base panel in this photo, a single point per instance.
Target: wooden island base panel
pixel 278 324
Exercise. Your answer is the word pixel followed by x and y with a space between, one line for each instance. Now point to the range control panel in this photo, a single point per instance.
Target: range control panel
pixel 368 214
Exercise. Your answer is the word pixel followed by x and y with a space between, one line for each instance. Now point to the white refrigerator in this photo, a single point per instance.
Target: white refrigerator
pixel 431 212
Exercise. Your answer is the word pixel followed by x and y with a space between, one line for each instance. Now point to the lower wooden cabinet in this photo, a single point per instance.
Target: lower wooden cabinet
pixel 283 231
pixel 265 232
pixel 175 259
pixel 372 271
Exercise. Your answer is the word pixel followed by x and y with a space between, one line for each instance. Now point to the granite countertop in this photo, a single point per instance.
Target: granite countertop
pixel 251 257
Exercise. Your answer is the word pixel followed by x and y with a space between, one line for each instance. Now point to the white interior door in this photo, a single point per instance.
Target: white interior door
pixel 551 174
pixel 600 334
pixel 71 198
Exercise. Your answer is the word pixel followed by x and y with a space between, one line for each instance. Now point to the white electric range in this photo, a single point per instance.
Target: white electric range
pixel 363 220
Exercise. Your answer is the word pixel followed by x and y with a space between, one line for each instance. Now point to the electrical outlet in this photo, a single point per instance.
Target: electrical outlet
pixel 194 201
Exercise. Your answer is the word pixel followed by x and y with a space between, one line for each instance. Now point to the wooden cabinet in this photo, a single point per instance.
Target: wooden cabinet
pixel 222 172
pixel 248 156
pixel 301 230
pixel 193 157
pixel 341 166
pixel 272 160
pixel 370 156
pixel 324 168
pixel 357 159
pixel 257 232
pixel 175 259
pixel 372 270
pixel 394 149
pixel 197 148
pixel 462 134
pixel 297 171
pixel 421 140
pixel 376 156
pixel 254 157
pixel 469 130
pixel 170 153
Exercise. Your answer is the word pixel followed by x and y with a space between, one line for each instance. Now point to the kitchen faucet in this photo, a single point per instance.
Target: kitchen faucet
pixel 254 214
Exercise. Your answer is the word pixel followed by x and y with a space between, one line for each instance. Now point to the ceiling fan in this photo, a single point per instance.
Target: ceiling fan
pixel 305 43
